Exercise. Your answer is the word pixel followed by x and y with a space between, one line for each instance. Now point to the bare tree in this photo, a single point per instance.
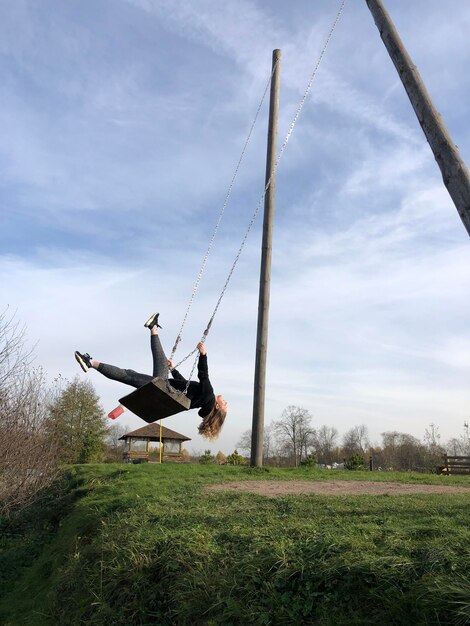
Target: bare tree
pixel 294 432
pixel 460 446
pixel 401 451
pixel 356 439
pixel 325 441
pixel 433 450
pixel 244 443
pixel 14 357
pixel 28 457
pixel 114 434
pixel 454 447
pixel 114 443
pixel 268 441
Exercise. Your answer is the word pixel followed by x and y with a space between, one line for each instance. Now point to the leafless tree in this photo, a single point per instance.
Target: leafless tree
pixel 15 358
pixel 325 441
pixel 401 451
pixel 268 441
pixel 433 449
pixel 460 446
pixel 244 443
pixel 356 439
pixel 28 458
pixel 454 447
pixel 294 432
pixel 114 443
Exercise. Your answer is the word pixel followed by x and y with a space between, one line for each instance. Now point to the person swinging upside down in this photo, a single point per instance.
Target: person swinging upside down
pixel 212 408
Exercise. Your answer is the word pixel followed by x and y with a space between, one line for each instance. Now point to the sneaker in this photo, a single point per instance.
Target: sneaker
pixel 152 321
pixel 84 360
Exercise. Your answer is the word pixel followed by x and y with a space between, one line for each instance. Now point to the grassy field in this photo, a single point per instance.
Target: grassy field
pixel 145 544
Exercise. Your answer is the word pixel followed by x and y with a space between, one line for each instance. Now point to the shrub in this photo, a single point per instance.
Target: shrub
pixel 235 459
pixel 354 462
pixel 309 461
pixel 207 458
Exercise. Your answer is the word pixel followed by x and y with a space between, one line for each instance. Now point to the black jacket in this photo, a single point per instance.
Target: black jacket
pixel 201 394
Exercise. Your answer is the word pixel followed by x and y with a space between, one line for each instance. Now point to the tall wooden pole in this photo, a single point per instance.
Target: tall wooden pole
pixel 257 438
pixel 454 171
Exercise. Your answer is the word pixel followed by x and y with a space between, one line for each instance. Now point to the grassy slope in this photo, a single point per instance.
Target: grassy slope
pixel 145 545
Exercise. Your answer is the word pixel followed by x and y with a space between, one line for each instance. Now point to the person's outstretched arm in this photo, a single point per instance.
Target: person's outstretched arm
pixel 202 368
pixel 174 372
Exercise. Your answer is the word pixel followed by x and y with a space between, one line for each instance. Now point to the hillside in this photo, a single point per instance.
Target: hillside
pixel 148 544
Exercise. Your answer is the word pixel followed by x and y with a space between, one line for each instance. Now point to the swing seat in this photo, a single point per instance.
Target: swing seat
pixel 156 400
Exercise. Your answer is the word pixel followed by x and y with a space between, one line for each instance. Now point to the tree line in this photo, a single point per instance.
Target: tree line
pixel 293 440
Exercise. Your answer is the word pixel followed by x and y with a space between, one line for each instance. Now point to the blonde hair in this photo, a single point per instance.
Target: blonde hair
pixel 212 423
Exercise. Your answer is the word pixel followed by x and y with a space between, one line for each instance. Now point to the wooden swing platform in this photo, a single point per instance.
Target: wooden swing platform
pixel 156 400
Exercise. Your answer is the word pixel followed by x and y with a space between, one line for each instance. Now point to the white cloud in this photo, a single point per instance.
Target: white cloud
pixel 118 143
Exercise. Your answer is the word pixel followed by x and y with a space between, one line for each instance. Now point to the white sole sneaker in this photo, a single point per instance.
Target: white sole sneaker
pixel 150 320
pixel 81 362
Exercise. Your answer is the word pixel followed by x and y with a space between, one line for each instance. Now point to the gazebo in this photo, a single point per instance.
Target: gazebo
pixel 169 444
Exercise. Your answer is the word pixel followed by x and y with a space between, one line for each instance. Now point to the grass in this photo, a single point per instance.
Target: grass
pixel 145 544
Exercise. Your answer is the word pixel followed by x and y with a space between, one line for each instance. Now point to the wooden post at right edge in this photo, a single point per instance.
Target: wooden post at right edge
pixel 453 168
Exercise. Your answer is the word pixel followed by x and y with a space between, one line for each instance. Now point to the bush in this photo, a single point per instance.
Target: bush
pixel 235 459
pixel 355 462
pixel 207 458
pixel 309 461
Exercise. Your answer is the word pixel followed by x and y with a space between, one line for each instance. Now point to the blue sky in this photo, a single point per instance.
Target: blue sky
pixel 122 123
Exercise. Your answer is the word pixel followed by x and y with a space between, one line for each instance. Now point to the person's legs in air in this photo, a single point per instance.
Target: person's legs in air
pixel 160 362
pixel 126 376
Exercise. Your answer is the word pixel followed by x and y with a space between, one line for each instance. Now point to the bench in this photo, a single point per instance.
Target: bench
pixel 455 465
pixel 136 457
pixel 144 457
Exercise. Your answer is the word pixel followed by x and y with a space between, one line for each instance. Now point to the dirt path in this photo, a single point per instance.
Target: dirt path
pixel 273 488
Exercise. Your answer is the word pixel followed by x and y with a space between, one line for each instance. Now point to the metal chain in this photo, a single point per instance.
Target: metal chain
pixel 261 200
pixel 221 214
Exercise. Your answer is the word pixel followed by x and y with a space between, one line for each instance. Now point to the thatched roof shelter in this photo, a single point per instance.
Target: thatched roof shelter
pixel 152 433
pixel 137 444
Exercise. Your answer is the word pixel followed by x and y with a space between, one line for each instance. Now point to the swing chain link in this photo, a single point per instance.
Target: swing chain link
pixel 219 219
pixel 281 152
pixel 261 200
pixel 203 338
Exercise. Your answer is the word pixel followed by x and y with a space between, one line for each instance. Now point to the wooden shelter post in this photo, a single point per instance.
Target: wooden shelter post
pixel 257 437
pixel 453 168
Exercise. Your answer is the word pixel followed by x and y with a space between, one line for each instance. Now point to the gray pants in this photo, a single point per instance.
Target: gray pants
pixel 134 379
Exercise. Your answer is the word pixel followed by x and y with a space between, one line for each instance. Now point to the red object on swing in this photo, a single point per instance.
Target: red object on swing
pixel 119 410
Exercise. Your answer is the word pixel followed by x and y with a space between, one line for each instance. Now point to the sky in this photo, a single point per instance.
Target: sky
pixel 122 123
